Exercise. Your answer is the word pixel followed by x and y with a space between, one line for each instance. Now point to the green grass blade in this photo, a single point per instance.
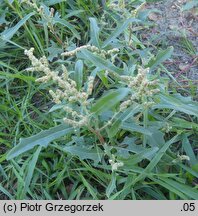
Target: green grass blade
pixel 156 159
pixel 90 189
pixel 188 191
pixel 31 168
pixel 170 188
pixel 6 192
pixel 189 151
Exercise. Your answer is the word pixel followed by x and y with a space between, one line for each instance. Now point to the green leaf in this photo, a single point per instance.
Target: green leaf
pixel 114 128
pixel 132 147
pixel 68 25
pixel 143 15
pixel 18 76
pixel 6 192
pixel 136 158
pixel 31 168
pixel 56 107
pixel 89 187
pixel 104 79
pixel 43 139
pixel 94 31
pixel 189 151
pixel 98 61
pixel 78 75
pixel 9 33
pixel 73 13
pixel 161 57
pixel 156 159
pixel 120 29
pixel 181 123
pixel 190 171
pixel 135 128
pixel 185 189
pixel 155 193
pixel 178 103
pixel 54 50
pixel 83 152
pixel 170 188
pixel 3 18
pixel 122 117
pixel 112 185
pixel 109 100
pixel 157 138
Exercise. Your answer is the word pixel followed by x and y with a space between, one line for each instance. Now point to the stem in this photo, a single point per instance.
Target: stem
pixel 107 124
pixel 97 133
pixel 145 122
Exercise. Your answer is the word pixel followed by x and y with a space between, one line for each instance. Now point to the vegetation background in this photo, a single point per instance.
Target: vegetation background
pixel 143 149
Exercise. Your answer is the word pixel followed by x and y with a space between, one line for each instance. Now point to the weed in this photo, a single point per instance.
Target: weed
pixel 99 119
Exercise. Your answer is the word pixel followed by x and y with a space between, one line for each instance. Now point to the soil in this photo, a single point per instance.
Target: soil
pixel 177 28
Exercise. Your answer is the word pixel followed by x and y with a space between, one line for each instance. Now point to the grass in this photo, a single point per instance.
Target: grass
pixel 145 152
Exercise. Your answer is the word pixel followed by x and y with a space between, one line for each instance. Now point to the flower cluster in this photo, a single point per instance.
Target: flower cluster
pixel 67 89
pixel 33 4
pixel 181 158
pixel 67 92
pixel 115 164
pixel 93 49
pixel 141 87
pixel 74 52
pixel 47 16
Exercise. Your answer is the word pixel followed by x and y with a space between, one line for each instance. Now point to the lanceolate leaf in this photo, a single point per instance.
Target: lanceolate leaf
pixel 156 159
pixel 185 189
pixel 82 152
pixel 99 61
pixel 189 151
pixel 109 100
pixel 157 138
pixel 169 187
pixel 136 158
pixel 181 123
pixel 128 146
pixel 161 57
pixel 178 103
pixel 68 25
pixel 115 126
pixel 78 75
pixel 94 31
pixel 118 31
pixel 43 139
pixel 9 33
pixel 135 128
pixel 112 185
pixel 6 192
pixel 31 168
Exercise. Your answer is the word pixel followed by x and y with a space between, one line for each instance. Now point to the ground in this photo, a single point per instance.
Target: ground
pixel 177 28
